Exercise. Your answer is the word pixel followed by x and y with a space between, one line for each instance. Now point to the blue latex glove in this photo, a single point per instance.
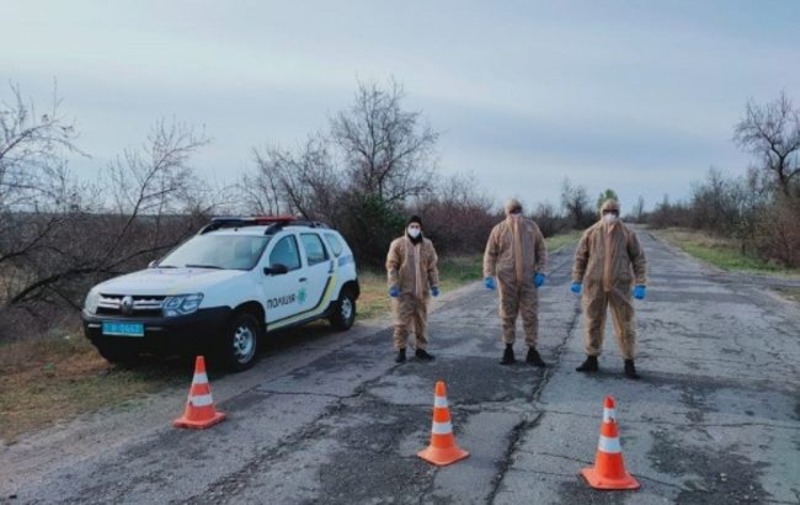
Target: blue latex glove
pixel 538 279
pixel 576 287
pixel 639 291
pixel 394 291
pixel 435 291
pixel 489 282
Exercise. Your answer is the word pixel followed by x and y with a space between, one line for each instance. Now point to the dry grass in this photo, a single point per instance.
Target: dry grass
pixel 454 271
pixel 558 241
pixel 47 381
pixel 696 238
pixel 719 251
pixel 373 301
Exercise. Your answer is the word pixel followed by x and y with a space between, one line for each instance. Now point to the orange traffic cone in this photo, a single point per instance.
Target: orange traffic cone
pixel 442 449
pixel 200 413
pixel 609 469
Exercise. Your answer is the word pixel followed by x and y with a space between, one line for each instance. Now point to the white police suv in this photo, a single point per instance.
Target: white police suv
pixel 221 290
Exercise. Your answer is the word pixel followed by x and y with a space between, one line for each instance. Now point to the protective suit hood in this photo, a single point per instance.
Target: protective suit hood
pixel 609 204
pixel 512 205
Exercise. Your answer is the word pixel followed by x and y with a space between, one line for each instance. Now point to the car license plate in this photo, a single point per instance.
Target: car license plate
pixel 123 329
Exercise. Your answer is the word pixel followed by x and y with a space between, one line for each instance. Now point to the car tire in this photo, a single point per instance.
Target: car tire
pixel 240 342
pixel 344 313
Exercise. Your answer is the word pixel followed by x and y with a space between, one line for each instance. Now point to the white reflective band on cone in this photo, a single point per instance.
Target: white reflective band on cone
pixel 442 428
pixel 610 445
pixel 200 378
pixel 440 401
pixel 201 400
pixel 609 415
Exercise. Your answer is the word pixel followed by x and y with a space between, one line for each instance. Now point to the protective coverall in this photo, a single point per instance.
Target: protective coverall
pixel 514 252
pixel 413 269
pixel 608 261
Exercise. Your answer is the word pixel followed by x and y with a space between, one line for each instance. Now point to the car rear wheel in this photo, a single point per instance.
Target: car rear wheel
pixel 344 314
pixel 240 342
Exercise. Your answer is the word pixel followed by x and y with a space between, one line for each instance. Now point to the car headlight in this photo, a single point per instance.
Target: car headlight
pixel 182 305
pixel 92 299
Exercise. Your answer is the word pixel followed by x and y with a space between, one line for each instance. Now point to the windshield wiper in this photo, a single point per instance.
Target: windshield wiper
pixel 215 267
pixel 166 266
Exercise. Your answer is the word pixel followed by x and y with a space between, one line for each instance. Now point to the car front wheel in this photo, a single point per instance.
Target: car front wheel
pixel 344 314
pixel 240 342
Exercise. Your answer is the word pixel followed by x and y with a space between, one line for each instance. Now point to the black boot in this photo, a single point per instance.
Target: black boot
pixel 630 370
pixel 590 365
pixel 534 359
pixel 401 356
pixel 508 356
pixel 423 355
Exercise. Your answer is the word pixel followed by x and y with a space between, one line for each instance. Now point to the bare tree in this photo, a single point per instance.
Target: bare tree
pixel 546 216
pixel 154 189
pixel 575 202
pixel 713 204
pixel 305 182
pixel 772 132
pixel 157 178
pixel 33 172
pixel 377 158
pixel 154 183
pixel 261 190
pixel 38 195
pixel 754 194
pixel 387 151
pixel 34 178
pixel 457 214
pixel 638 209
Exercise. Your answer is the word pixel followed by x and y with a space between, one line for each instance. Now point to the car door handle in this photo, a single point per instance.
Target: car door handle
pixel 303 279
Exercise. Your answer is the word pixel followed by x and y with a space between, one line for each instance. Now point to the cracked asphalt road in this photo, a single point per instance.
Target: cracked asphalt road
pixel 332 419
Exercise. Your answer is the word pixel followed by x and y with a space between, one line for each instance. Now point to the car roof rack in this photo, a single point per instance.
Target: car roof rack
pixel 273 223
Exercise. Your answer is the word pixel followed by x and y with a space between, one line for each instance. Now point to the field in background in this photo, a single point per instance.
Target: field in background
pixel 558 241
pixel 720 252
pixel 54 379
pixel 453 271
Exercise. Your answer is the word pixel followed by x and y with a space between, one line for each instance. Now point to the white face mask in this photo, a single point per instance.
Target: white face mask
pixel 610 218
pixel 413 232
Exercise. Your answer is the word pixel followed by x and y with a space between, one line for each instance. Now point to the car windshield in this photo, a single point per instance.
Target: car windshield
pixel 240 252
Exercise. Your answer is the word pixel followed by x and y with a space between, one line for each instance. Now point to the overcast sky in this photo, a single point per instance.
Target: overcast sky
pixel 638 96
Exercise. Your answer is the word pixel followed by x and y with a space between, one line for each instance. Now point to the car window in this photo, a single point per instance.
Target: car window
pixel 286 253
pixel 315 251
pixel 334 243
pixel 217 251
pixel 242 255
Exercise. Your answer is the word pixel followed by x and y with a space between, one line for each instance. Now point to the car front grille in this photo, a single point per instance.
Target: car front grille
pixel 130 306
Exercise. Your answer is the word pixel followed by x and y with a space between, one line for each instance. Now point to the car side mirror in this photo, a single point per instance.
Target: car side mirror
pixel 276 269
pixel 152 264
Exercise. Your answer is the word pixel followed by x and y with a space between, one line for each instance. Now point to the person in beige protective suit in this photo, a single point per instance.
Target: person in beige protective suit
pixel 413 276
pixel 516 254
pixel 609 261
